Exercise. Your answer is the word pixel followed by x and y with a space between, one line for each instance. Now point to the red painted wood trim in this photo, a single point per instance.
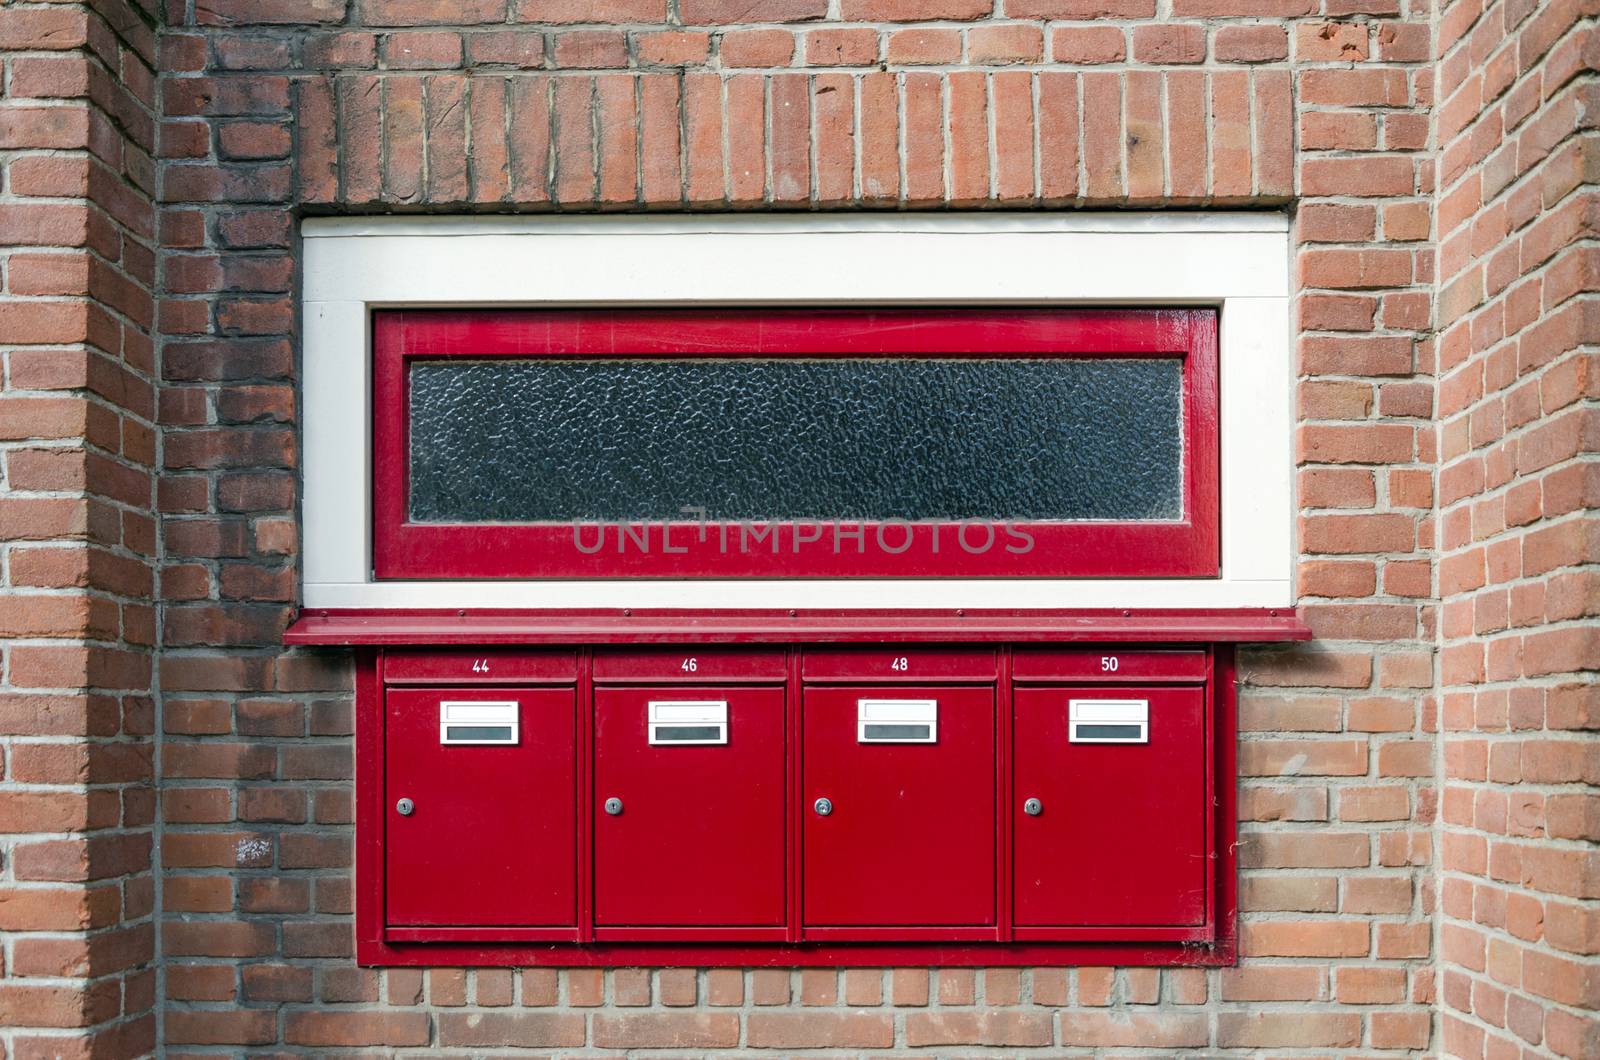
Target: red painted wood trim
pixel 397 627
pixel 1190 547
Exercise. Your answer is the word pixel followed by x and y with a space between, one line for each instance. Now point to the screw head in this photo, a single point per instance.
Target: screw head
pixel 823 807
pixel 405 807
pixel 1033 807
pixel 613 806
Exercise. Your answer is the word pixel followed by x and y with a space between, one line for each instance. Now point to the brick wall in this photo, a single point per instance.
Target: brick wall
pixel 1519 536
pixel 422 105
pixel 273 107
pixel 77 530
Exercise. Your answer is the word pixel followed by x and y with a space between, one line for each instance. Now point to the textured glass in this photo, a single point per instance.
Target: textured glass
pixel 542 440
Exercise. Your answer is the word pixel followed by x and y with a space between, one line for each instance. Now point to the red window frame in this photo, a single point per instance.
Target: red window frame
pixel 1188 547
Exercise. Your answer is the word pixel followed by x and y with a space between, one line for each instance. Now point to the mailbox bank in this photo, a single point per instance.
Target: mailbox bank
pixel 809 786
pixel 808 802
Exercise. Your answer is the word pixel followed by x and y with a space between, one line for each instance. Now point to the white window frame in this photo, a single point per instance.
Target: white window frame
pixel 1237 262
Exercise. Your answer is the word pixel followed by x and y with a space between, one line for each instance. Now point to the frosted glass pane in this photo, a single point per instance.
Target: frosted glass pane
pixel 541 440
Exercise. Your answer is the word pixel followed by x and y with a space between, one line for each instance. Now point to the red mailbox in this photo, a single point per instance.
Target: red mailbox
pixel 1112 815
pixel 689 808
pixel 899 807
pixel 480 816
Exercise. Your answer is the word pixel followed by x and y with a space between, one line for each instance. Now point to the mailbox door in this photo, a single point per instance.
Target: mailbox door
pixel 699 837
pixel 491 838
pixel 1120 833
pixel 910 836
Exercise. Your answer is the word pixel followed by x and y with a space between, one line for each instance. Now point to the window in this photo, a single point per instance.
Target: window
pixel 1020 442
pixel 1230 270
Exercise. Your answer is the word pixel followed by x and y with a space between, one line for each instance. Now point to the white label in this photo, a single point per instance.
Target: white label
pixel 478 722
pixel 1108 721
pixel 897 720
pixel 687 721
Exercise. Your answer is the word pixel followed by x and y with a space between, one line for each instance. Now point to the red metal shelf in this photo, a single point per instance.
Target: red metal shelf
pixel 395 627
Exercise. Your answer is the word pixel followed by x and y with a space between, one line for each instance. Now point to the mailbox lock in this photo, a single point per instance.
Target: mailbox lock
pixel 1033 807
pixel 405 807
pixel 823 806
pixel 613 806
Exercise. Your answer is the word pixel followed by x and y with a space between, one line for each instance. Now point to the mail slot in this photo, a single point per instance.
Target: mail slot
pixel 689 818
pixel 480 819
pixel 877 809
pixel 470 721
pixel 897 720
pixel 688 721
pixel 1108 720
pixel 1110 820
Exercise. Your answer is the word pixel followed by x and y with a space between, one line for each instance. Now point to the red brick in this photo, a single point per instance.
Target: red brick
pixel 673 48
pixel 909 47
pixel 1170 43
pixel 818 1029
pixel 1141 1031
pixel 648 11
pixel 730 12
pixel 1305 938
pixel 989 1027
pixel 1251 44
pixel 1005 43
pixel 357 1028
pixel 756 47
pixel 1331 41
pixel 488 1030
pixel 913 10
pixel 841 47
pixel 1288 1029
pixel 1096 44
